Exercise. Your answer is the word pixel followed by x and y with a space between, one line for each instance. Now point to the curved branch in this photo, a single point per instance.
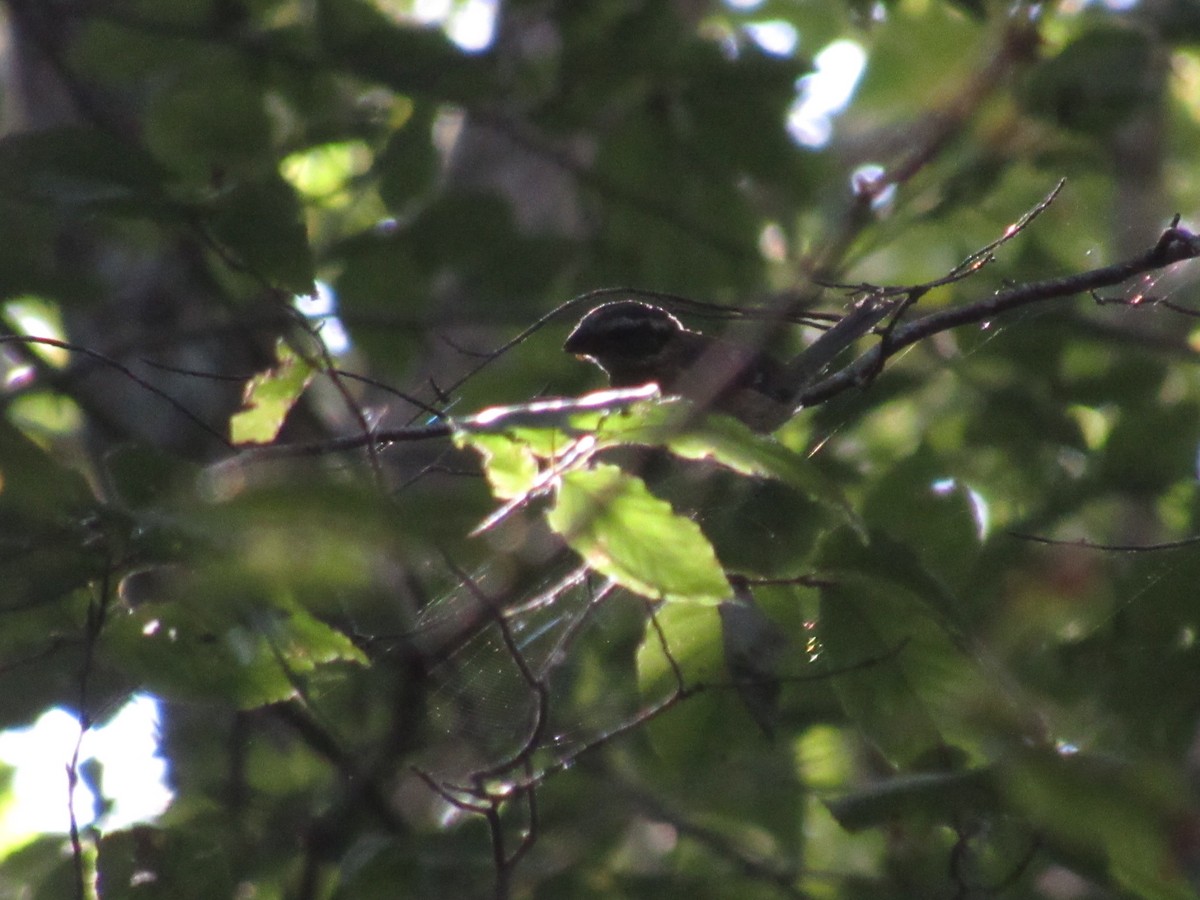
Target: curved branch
pixel 1175 245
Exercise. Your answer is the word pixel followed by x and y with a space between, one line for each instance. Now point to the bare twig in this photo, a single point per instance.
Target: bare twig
pixel 127 372
pixel 1175 245
pixel 986 254
pixel 1108 548
pixel 97 615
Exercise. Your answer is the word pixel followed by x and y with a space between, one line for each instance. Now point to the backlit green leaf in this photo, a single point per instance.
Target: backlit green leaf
pixel 269 398
pixel 628 534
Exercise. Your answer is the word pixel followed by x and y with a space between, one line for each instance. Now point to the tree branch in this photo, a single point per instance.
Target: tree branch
pixel 1175 245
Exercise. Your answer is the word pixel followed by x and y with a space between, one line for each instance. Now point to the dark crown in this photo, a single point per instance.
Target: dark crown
pixel 625 328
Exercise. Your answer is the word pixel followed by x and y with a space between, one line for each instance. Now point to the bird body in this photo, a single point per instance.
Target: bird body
pixel 636 343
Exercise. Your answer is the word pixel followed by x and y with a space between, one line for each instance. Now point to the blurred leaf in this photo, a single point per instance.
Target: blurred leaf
pixel 259 223
pixel 1112 813
pixel 147 476
pixel 933 797
pixel 974 8
pixel 692 634
pixel 188 861
pixel 40 870
pixel 81 167
pixel 380 275
pixel 269 397
pixel 182 651
pixel 1177 20
pixel 723 100
pixel 924 49
pixel 300 541
pixel 684 232
pixel 32 482
pixel 754 648
pixel 408 164
pixel 410 59
pixel 899 673
pixel 934 515
pixel 725 441
pixel 475 233
pixel 628 534
pixel 1096 82
pixel 210 121
pixel 757 526
pixel 1150 448
pixel 509 463
pixel 895 561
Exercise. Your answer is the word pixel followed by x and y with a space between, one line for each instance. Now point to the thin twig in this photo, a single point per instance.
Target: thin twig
pixel 1175 245
pixel 127 372
pixel 1108 548
pixel 97 615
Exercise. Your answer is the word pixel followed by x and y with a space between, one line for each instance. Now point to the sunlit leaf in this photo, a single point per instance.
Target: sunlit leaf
pixel 692 635
pixel 509 464
pixel 725 441
pixel 628 534
pixel 269 397
pixel 183 652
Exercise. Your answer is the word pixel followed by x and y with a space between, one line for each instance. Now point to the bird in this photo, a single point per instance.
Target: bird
pixel 637 343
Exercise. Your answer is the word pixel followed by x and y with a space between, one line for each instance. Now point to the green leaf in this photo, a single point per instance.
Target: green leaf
pixel 628 534
pixel 934 797
pixel 977 9
pixel 1151 447
pixel 269 397
pixel 900 674
pixel 362 39
pixel 81 167
pixel 146 477
pixel 754 647
pixel 408 165
pixel 261 225
pixel 1114 813
pixel 187 860
pixel 693 635
pixel 934 517
pixel 508 462
pixel 725 100
pixel 182 650
pixel 211 120
pixel 34 483
pixel 1097 82
pixel 895 562
pixel 725 441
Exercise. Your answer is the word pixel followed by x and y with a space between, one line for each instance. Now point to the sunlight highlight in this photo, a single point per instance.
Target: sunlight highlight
pixel 826 92
pixel 470 24
pixel 776 37
pixel 133 775
pixel 321 307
